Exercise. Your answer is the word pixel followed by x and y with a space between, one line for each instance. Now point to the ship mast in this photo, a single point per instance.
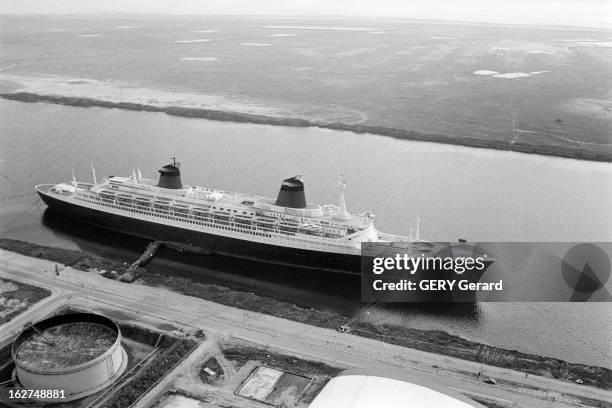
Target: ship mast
pixel 93 173
pixel 342 214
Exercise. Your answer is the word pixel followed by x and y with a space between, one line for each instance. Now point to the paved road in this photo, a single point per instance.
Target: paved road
pixel 296 338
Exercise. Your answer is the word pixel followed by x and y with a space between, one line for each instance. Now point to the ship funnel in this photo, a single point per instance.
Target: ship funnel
pixel 291 193
pixel 170 176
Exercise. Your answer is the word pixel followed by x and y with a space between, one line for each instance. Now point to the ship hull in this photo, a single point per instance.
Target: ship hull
pixel 201 242
pixel 204 243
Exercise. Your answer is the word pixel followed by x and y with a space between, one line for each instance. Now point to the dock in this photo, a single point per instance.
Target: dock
pixel 151 250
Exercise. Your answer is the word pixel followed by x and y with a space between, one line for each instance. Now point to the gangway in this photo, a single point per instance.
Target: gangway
pixel 145 258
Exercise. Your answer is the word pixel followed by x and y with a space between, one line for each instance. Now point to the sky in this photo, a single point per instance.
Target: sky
pixel 594 13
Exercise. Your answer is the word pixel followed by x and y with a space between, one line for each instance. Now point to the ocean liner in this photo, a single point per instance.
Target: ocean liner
pixel 286 230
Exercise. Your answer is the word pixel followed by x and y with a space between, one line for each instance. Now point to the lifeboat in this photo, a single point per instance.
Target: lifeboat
pixel 143 202
pixel 265 222
pixel 243 219
pixel 162 205
pixel 200 212
pixel 221 215
pixel 288 226
pixel 310 229
pixel 125 199
pixel 334 232
pixel 108 196
pixel 180 209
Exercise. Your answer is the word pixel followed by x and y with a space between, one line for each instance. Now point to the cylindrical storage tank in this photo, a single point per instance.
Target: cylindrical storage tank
pixel 79 353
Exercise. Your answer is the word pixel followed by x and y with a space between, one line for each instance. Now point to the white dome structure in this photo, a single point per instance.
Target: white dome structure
pixel 372 389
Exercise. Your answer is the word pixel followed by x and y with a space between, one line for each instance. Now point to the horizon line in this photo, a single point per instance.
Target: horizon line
pixel 548 24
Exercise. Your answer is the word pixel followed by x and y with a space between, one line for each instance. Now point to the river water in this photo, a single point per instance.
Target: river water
pixel 481 195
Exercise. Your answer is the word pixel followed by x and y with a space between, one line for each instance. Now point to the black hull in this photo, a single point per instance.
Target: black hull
pixel 200 242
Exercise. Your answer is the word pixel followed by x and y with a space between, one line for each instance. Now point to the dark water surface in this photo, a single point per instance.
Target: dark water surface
pixel 457 192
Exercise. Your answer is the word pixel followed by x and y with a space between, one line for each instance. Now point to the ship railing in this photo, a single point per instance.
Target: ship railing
pixel 191 218
pixel 182 216
pixel 88 196
pixel 394 238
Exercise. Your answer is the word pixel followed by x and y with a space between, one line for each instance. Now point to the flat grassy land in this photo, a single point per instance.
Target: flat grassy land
pixel 541 88
pixel 15 297
pixel 562 147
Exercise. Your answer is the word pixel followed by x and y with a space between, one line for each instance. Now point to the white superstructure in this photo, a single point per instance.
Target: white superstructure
pixel 327 228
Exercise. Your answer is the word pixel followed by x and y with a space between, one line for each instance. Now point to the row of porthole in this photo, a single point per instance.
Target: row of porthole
pixel 197 223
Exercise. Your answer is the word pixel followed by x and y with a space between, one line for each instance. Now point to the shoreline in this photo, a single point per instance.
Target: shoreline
pixel 435 341
pixel 584 152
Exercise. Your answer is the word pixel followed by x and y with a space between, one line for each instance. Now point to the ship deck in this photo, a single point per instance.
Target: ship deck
pixel 231 202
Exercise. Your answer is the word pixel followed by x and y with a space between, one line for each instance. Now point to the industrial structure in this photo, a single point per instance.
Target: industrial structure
pixel 80 353
pixel 366 388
